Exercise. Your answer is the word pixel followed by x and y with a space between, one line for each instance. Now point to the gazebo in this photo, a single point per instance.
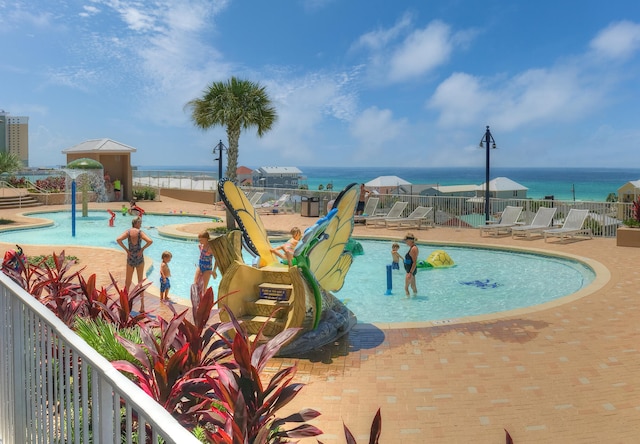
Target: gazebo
pixel 114 156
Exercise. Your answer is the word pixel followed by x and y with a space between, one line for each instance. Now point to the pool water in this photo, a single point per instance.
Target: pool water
pixel 483 280
pixel 94 230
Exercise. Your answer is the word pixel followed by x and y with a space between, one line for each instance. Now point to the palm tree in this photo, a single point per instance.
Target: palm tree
pixel 238 105
pixel 9 163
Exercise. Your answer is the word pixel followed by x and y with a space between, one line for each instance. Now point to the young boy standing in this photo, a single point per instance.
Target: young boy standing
pixel 165 274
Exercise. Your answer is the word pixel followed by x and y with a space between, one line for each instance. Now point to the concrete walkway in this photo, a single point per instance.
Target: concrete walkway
pixel 564 372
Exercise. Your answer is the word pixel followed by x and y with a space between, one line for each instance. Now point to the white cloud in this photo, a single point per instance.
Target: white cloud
pixel 376 40
pixel 421 52
pixel 402 53
pixel 304 105
pixel 536 96
pixel 89 11
pixel 460 99
pixel 376 132
pixel 618 41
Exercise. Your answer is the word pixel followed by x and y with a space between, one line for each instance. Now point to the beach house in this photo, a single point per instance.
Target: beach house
pixel 276 177
pixel 502 188
pixel 629 191
pixel 244 175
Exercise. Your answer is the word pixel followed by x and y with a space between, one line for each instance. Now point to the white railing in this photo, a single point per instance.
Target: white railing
pixel 454 211
pixel 55 388
pixel 468 212
pixel 183 180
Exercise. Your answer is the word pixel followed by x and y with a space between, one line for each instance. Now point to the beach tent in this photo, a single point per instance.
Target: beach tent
pixel 386 182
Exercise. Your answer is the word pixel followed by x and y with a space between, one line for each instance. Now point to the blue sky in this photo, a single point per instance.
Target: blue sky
pixel 355 83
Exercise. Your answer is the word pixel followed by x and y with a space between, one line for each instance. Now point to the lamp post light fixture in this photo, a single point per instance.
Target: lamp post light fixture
pixel 219 148
pixel 488 143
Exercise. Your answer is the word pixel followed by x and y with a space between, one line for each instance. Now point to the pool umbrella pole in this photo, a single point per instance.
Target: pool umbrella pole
pixel 73 208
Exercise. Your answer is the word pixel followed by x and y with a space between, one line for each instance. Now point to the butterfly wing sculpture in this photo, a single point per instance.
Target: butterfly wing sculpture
pixel 327 259
pixel 246 216
pixel 320 253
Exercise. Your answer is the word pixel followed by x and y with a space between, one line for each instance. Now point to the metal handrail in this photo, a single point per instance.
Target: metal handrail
pixel 55 388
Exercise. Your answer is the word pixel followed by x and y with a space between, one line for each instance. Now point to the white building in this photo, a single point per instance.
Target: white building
pixel 276 177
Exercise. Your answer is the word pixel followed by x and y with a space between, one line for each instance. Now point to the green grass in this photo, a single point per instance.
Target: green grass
pixel 35 260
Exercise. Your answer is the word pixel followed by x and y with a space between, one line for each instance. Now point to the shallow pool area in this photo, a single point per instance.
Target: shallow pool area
pixel 483 281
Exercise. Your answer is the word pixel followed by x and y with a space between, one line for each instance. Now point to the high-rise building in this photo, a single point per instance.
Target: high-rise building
pixel 14 136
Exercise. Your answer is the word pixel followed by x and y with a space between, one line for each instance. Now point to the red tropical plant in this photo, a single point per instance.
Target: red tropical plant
pixel 206 343
pixel 374 436
pixel 635 209
pixel 163 365
pixel 54 286
pixel 246 411
pixel 120 310
pixel 96 298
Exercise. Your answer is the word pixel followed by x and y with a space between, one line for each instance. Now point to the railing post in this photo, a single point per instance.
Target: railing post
pixel 18 382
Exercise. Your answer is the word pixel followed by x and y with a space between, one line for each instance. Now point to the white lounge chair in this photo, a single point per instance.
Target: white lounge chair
pixel 369 210
pixel 255 199
pixel 541 221
pixel 572 226
pixel 508 219
pixel 417 218
pixel 281 205
pixel 395 212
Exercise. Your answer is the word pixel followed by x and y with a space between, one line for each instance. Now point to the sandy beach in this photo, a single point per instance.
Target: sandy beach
pixel 565 371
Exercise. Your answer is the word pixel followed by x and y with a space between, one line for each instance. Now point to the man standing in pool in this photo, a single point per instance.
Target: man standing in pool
pixel 411 264
pixel 135 252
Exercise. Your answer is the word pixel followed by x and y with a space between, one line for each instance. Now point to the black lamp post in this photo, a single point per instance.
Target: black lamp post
pixel 219 148
pixel 488 143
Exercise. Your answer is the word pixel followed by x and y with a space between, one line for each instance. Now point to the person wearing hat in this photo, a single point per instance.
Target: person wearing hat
pixel 411 264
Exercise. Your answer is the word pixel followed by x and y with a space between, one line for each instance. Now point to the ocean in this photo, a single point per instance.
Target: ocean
pixel 586 184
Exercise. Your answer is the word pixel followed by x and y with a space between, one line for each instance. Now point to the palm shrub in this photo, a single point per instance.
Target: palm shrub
pixel 103 337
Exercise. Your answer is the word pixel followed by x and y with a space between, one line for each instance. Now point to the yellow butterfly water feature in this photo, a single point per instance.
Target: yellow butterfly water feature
pixel 300 293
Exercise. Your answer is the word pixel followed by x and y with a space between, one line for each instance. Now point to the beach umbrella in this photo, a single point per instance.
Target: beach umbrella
pixel 386 182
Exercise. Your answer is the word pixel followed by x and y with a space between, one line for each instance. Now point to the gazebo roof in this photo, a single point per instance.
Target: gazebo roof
pixel 103 146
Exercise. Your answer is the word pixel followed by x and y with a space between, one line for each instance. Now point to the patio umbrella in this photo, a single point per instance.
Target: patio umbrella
pixel 386 182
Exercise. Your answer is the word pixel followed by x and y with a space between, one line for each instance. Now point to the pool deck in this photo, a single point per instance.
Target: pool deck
pixel 565 372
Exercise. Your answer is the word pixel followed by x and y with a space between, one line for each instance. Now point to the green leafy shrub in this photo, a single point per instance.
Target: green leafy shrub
pixel 48 261
pixel 102 336
pixel 144 193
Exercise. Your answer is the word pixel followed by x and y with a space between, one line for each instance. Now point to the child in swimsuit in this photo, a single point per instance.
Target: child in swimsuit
pixel 289 246
pixel 395 256
pixel 165 274
pixel 206 267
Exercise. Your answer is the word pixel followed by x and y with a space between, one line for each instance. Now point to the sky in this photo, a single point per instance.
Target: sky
pixel 354 83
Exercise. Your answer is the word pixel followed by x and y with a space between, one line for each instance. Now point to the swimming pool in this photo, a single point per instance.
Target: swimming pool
pixel 94 230
pixel 483 281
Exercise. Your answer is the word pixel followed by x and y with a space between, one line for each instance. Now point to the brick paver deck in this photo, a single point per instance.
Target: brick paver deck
pixel 564 372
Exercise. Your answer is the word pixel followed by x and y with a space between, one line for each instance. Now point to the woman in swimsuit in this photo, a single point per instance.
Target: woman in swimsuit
pixel 410 264
pixel 135 252
pixel 206 268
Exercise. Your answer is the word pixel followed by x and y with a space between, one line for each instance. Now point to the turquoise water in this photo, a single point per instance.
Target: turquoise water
pixel 591 184
pixel 482 281
pixel 94 230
